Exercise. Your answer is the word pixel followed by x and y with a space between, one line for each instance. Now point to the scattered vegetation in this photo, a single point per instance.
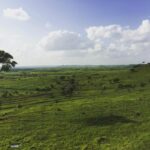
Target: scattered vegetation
pixel 76 108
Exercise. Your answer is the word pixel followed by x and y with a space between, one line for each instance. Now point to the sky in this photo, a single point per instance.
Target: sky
pixel 75 32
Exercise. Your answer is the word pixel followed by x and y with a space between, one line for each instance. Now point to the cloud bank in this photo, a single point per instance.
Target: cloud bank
pixel 64 41
pixel 110 41
pixel 17 14
pixel 115 40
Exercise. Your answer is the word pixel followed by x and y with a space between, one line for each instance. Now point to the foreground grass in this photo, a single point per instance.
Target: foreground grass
pixel 108 110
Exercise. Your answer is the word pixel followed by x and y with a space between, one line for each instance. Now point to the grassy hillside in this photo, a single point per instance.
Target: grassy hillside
pixel 75 109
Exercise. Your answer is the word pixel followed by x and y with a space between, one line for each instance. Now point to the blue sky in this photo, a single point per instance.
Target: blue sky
pixel 58 32
pixel 78 14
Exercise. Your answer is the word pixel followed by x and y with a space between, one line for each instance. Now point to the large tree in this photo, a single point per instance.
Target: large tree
pixel 7 61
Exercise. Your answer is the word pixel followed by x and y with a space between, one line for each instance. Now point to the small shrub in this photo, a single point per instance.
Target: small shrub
pixel 83 113
pixel 104 87
pixel 62 77
pixel 116 80
pixel 52 86
pixel 101 140
pixel 89 77
pixel 137 114
pixel 69 87
pixel 142 84
pixel 58 109
pixel 56 101
pixel 1 77
pixel 43 89
pixel 6 94
pixel 19 106
pixel 132 70
pixel 125 86
pixel 67 90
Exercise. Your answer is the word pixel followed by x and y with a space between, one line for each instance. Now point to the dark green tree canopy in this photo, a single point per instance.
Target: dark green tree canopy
pixel 7 61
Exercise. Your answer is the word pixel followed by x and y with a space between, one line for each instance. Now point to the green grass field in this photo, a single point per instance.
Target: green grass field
pixel 75 109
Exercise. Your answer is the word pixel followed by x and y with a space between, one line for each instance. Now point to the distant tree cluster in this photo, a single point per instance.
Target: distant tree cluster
pixel 69 87
pixel 7 61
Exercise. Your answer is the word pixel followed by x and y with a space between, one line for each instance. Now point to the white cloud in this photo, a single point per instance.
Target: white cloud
pixel 17 14
pixel 64 40
pixel 117 41
pixel 112 41
pixel 101 44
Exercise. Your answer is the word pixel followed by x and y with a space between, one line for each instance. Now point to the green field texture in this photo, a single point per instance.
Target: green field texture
pixel 88 108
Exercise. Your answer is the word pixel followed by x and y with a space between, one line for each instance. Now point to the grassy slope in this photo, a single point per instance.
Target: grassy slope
pixel 99 115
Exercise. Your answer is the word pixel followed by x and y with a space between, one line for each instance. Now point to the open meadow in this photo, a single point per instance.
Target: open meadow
pixel 75 108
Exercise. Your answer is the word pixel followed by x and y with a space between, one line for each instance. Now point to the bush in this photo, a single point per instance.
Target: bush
pixel 125 86
pixel 43 89
pixel 62 77
pixel 116 80
pixel 132 70
pixel 104 87
pixel 69 87
pixel 6 94
pixel 19 106
pixel 142 84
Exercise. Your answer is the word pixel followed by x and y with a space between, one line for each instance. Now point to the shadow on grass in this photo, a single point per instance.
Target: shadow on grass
pixel 107 120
